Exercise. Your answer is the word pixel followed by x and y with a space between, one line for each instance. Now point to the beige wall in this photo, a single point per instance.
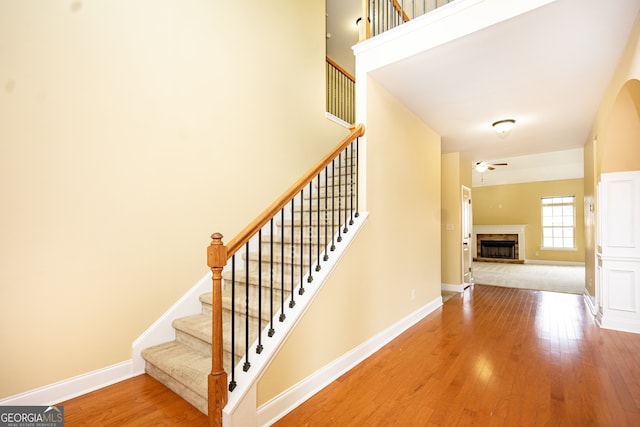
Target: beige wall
pixel 622 137
pixel 401 241
pixel 129 132
pixel 520 204
pixel 456 172
pixel 614 141
pixel 590 184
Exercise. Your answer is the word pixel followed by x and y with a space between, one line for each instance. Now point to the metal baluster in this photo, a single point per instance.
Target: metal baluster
pixel 326 213
pixel 233 383
pixel 318 224
pixel 310 278
pixel 259 347
pixel 357 176
pixel 333 204
pixel 374 18
pixel 331 90
pixel 340 95
pixel 351 184
pixel 301 291
pixel 271 314
pixel 246 365
pixel 378 17
pixel 346 190
pixel 282 315
pixel 388 18
pixel 385 16
pixel 292 302
pixel 336 99
pixel 349 100
pixel 343 78
pixel 327 70
pixel 339 238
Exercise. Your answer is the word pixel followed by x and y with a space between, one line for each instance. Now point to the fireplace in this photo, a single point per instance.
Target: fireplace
pixel 501 249
pixel 498 243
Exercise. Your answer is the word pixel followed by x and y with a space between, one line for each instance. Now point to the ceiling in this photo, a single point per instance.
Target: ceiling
pixel 548 69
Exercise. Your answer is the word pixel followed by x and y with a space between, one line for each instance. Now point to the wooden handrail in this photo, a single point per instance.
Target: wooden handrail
pixel 217 256
pixel 342 70
pixel 251 229
pixel 398 8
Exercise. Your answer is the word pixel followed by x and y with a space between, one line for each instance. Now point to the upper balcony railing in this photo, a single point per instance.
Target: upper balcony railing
pixel 341 92
pixel 387 14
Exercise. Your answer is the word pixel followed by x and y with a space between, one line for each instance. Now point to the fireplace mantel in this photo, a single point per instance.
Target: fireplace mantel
pixel 500 229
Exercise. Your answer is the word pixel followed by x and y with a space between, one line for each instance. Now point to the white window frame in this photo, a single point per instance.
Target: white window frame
pixel 560 234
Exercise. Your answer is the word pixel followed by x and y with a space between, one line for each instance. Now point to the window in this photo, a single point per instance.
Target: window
pixel 558 222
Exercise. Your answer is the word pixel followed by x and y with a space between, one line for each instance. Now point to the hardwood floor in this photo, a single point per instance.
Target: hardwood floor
pixel 492 356
pixel 139 401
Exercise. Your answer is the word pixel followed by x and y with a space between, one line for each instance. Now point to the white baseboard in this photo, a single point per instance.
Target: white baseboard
pixel 452 288
pixel 623 325
pixel 160 331
pixel 589 301
pixel 55 393
pixel 562 263
pixel 338 120
pixel 282 404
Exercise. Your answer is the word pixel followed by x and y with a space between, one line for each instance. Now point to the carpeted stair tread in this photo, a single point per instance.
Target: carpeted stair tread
pixel 188 370
pixel 194 331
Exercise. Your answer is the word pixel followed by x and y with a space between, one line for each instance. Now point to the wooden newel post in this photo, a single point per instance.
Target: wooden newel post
pixel 218 397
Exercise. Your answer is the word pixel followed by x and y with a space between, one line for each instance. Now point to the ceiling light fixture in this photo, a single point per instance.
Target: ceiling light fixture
pixel 503 127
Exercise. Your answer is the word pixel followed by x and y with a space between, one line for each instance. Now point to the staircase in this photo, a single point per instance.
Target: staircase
pixel 289 245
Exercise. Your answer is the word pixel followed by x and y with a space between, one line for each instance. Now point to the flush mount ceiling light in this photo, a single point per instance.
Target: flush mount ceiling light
pixel 503 127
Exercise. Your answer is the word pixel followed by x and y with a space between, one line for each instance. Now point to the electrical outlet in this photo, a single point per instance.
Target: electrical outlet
pixel 413 294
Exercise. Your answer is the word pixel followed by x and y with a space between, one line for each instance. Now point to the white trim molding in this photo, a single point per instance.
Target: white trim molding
pixel 72 387
pixel 453 288
pixel 499 229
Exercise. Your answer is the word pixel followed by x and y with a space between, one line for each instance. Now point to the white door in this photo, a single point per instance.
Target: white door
pixel 467 225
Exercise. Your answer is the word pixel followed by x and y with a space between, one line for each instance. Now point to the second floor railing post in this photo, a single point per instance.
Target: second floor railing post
pixel 364 29
pixel 218 395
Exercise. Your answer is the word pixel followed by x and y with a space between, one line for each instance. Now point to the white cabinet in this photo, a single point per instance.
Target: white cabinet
pixel 618 252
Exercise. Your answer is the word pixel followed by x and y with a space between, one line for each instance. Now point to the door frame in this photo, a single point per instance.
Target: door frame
pixel 466 227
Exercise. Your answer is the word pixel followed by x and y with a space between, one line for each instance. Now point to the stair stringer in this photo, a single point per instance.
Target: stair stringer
pixel 241 409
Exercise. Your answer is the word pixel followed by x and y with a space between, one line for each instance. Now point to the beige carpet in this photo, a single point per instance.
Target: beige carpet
pixel 555 278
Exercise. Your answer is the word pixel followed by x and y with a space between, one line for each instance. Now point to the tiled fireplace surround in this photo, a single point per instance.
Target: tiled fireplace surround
pixel 499 232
